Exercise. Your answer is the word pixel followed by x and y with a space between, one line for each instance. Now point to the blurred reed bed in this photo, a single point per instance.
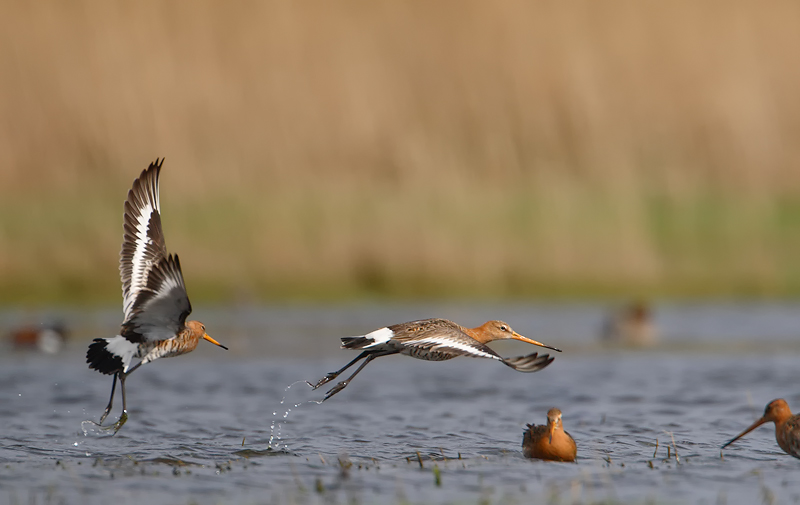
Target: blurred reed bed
pixel 328 150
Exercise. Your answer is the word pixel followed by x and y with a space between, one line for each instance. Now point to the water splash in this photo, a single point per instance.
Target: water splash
pixel 92 429
pixel 278 422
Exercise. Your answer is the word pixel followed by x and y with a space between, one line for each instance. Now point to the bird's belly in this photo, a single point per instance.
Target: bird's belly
pixel 163 349
pixel 561 449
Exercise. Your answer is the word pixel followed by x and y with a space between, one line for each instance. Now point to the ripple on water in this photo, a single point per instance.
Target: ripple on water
pixel 382 427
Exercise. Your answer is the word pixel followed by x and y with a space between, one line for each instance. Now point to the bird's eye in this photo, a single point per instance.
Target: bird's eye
pixel 504 328
pixel 203 327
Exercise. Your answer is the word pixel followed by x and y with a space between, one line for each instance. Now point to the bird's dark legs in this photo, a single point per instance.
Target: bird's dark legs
pixel 124 417
pixel 335 374
pixel 344 383
pixel 110 401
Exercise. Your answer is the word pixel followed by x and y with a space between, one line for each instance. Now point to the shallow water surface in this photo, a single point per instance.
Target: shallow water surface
pixel 200 425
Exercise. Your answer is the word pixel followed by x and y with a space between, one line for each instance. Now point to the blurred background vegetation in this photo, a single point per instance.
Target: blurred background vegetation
pixel 358 149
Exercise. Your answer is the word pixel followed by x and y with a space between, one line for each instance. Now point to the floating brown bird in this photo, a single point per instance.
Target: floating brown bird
pixel 155 302
pixel 787 427
pixel 47 338
pixel 630 326
pixel 436 340
pixel 549 442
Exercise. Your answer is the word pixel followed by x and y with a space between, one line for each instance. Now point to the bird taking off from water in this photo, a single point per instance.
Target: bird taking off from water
pixel 154 298
pixel 551 442
pixel 787 427
pixel 435 340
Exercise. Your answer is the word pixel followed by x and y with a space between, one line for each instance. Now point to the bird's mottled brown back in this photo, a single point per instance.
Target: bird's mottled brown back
pixel 534 431
pixel 789 437
pixel 415 330
pixel 438 340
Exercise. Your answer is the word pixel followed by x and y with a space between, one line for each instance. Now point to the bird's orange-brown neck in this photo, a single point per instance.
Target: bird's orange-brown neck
pixel 480 333
pixel 780 416
pixel 193 332
pixel 779 422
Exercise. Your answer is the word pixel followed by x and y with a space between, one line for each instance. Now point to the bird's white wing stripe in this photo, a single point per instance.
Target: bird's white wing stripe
pixel 379 337
pixel 139 267
pixel 453 344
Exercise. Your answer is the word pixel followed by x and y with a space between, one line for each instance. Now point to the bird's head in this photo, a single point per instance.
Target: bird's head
pixel 777 411
pixel 498 330
pixel 553 422
pixel 198 329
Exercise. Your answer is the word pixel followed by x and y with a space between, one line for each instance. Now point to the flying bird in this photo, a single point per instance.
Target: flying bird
pixel 435 340
pixel 155 302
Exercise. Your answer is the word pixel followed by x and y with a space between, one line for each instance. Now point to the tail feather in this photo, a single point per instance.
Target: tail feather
pixel 372 340
pixel 530 363
pixel 110 355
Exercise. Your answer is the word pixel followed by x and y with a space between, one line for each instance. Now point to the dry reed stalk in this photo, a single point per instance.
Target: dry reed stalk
pixel 499 149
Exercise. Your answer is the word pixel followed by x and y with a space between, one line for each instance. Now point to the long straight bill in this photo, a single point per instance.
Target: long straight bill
pixel 745 432
pixel 519 337
pixel 206 337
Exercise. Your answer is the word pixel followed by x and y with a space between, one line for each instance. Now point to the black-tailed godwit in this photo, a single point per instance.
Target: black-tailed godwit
pixel 550 442
pixel 435 340
pixel 155 302
pixel 787 427
pixel 630 326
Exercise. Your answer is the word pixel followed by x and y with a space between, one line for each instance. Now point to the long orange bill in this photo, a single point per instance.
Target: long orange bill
pixel 517 336
pixel 552 429
pixel 206 337
pixel 745 432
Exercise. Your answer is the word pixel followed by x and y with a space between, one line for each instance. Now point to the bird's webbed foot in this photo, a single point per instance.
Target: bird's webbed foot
pixel 323 380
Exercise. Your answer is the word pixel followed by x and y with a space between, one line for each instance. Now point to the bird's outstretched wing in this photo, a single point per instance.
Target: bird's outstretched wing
pixel 154 296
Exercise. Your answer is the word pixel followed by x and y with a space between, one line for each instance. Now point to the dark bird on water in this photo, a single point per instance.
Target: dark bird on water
pixel 630 326
pixel 155 302
pixel 435 340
